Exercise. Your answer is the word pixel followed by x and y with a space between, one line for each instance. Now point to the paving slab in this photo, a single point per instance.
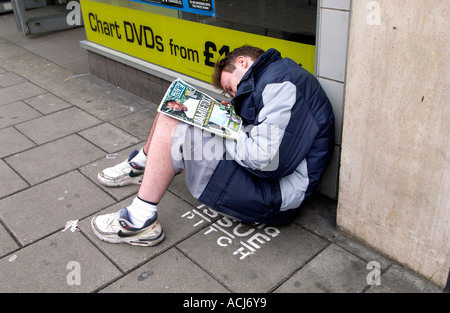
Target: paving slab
pixel 109 138
pixel 63 262
pixel 249 258
pixel 94 96
pixel 397 279
pixel 45 208
pixel 38 70
pixel 7 243
pixel 10 52
pixel 319 216
pixel 15 113
pixel 10 79
pixel 19 92
pixel 334 270
pixel 47 103
pixel 11 182
pixel 12 141
pixel 170 272
pixel 54 158
pixel 90 93
pixel 138 124
pixel 100 102
pixel 57 125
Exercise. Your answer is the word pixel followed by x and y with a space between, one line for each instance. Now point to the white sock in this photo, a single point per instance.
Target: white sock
pixel 140 158
pixel 140 211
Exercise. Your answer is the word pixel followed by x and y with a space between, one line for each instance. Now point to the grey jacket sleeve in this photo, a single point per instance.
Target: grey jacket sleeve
pixel 258 147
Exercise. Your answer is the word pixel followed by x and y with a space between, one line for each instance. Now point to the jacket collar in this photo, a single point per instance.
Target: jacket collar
pixel 247 83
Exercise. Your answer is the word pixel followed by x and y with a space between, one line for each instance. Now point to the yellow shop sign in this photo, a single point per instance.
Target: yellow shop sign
pixel 186 47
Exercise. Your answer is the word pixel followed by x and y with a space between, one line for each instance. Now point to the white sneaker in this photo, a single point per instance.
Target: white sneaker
pixel 117 228
pixel 122 174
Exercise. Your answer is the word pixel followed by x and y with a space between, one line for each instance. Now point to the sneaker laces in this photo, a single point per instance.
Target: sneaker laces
pixel 112 218
pixel 124 165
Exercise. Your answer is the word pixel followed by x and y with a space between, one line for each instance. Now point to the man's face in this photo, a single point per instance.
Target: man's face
pixel 176 106
pixel 230 81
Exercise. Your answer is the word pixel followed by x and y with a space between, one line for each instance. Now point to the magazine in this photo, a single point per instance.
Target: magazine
pixel 194 107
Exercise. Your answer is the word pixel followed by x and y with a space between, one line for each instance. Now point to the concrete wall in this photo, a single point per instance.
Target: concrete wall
pixel 394 176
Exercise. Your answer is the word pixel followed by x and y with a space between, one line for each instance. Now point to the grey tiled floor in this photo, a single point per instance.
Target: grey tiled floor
pixel 56 134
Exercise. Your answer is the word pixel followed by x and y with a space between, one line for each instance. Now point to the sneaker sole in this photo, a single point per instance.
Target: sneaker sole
pixel 130 240
pixel 120 183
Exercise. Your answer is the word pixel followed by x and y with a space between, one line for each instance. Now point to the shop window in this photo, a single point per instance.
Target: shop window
pixel 292 20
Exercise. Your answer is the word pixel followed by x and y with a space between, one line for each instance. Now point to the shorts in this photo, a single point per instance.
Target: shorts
pixel 191 153
pixel 199 154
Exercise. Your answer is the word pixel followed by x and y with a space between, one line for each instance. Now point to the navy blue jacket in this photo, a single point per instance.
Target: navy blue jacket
pixel 285 145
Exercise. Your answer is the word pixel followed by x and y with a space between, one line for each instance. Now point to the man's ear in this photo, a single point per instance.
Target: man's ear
pixel 242 61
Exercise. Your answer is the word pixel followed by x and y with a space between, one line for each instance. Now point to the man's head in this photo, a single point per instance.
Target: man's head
pixel 229 71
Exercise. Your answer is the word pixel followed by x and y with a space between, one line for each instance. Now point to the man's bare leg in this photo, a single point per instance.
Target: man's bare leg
pixel 158 168
pixel 137 224
pixel 150 135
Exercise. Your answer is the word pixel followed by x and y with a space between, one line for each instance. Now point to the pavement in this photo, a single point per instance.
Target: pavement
pixel 61 125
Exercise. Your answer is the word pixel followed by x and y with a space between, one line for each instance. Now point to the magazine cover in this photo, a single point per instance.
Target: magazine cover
pixel 194 107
